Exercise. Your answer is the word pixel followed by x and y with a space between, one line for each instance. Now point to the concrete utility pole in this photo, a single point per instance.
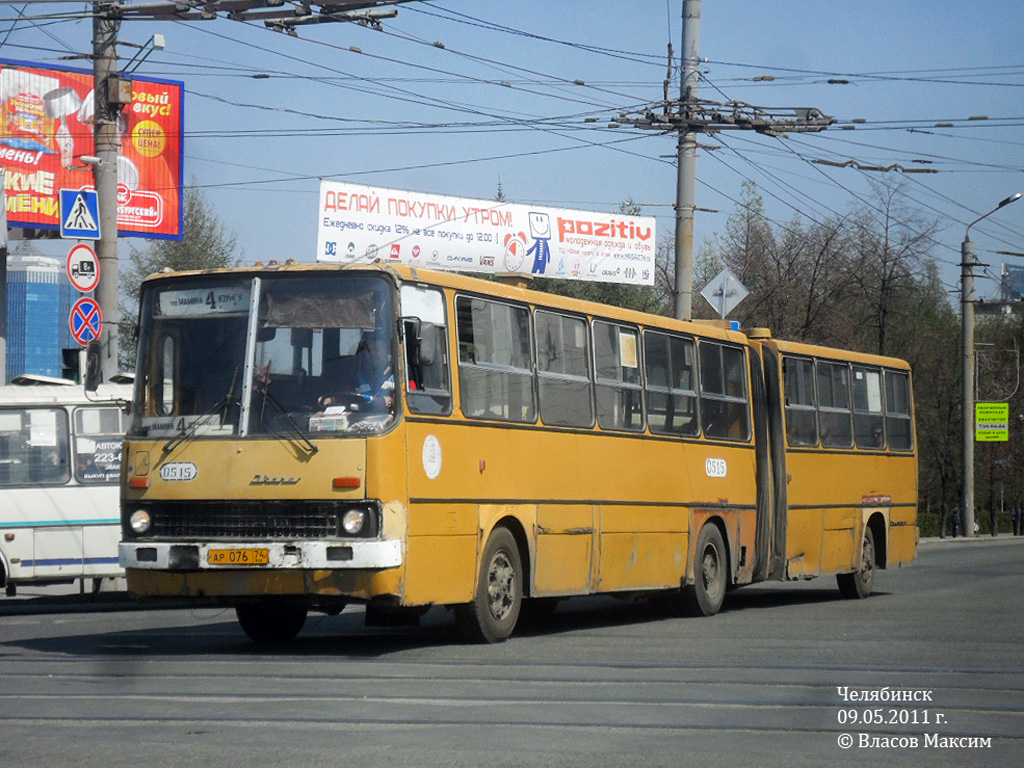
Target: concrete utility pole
pixel 690 116
pixel 968 262
pixel 686 181
pixel 105 26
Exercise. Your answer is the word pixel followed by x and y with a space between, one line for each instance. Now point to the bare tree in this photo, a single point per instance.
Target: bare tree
pixel 891 243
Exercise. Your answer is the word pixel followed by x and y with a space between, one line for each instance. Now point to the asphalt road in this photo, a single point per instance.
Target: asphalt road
pixel 787 674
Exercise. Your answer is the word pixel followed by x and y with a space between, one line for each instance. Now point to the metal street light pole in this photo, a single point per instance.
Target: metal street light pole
pixel 967 301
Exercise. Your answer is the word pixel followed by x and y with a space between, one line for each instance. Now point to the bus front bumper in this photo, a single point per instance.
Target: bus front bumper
pixel 299 555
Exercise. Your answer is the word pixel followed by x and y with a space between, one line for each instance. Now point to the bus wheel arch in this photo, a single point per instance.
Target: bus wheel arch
pixel 879 526
pixel 492 614
pixel 711 571
pixel 9 589
pixel 518 532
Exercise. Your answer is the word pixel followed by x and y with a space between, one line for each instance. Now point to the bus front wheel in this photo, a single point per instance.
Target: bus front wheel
pixel 271 622
pixel 860 583
pixel 493 614
pixel 710 574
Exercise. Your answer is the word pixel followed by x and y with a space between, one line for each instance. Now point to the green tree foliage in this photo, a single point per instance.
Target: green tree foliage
pixel 206 245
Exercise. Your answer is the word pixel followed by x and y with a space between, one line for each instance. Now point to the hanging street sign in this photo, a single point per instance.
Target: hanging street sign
pixel 83 268
pixel 80 214
pixel 724 292
pixel 85 321
pixel 992 422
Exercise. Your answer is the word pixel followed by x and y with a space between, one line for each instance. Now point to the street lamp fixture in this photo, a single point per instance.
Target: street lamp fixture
pixel 967 298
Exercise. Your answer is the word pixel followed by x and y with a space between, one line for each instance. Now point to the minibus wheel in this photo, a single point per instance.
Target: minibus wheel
pixel 271 622
pixel 860 583
pixel 493 614
pixel 710 574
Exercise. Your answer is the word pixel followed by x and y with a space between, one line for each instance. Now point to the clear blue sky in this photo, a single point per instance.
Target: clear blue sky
pixel 499 101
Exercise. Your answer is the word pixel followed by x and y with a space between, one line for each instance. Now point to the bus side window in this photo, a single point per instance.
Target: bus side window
pixel 98 439
pixel 495 360
pixel 38 453
pixel 425 332
pixel 834 414
pixel 801 423
pixel 868 426
pixel 563 370
pixel 617 364
pixel 671 384
pixel 723 394
pixel 898 423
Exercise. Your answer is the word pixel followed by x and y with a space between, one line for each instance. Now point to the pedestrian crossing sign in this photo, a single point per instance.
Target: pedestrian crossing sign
pixel 79 214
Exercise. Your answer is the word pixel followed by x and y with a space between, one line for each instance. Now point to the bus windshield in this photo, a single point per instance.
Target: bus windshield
pixel 286 356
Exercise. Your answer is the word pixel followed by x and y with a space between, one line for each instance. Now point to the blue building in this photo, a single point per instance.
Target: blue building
pixel 39 300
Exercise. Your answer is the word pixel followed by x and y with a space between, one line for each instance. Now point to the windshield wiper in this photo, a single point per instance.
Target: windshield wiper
pixel 263 388
pixel 223 404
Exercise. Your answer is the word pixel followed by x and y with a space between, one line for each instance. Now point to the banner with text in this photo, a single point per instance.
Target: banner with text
pixel 46 128
pixel 358 223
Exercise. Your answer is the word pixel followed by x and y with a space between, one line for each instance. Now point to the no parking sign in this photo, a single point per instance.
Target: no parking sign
pixel 86 320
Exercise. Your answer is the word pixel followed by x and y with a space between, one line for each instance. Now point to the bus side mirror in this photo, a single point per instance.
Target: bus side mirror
pixel 420 341
pixel 92 366
pixel 427 344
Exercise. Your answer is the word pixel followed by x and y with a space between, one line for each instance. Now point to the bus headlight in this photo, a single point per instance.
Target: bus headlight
pixel 140 521
pixel 354 521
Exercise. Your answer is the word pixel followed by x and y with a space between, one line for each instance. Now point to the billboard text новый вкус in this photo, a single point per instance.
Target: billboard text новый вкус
pixel 46 127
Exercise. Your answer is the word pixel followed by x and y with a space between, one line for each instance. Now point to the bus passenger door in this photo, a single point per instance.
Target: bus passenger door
pixel 778 499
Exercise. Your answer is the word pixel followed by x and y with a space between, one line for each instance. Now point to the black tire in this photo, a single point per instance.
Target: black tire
pixel 860 583
pixel 710 574
pixel 494 612
pixel 271 622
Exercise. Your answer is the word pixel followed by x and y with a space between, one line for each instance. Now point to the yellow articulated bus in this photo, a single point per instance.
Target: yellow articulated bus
pixel 306 436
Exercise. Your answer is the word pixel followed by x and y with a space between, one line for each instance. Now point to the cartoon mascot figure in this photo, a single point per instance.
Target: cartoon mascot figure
pixel 540 231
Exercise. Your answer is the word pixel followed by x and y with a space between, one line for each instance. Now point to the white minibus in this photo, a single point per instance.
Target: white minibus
pixel 60 460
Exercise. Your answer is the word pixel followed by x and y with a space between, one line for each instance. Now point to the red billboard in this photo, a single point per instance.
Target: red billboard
pixel 46 127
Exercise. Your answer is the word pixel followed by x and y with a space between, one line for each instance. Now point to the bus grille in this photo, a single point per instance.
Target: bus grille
pixel 253 521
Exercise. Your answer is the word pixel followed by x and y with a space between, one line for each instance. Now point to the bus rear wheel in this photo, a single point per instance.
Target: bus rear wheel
pixel 493 614
pixel 269 622
pixel 860 583
pixel 710 574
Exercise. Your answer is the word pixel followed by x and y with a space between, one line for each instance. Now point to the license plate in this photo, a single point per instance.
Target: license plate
pixel 238 557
